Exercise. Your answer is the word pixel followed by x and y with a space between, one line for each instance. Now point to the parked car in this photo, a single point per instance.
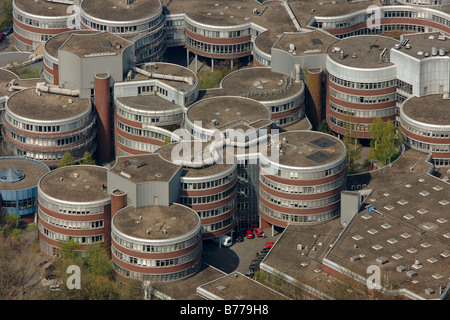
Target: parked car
pixel 239 238
pixel 269 245
pixel 260 256
pixel 249 234
pixel 8 30
pixel 2 36
pixel 259 233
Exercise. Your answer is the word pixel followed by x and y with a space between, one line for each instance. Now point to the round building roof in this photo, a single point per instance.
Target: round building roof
pixel 46 106
pixel 54 43
pixel 365 52
pixel 17 173
pixel 307 149
pixel 44 8
pixel 223 113
pixel 157 222
pixel 76 184
pixel 432 109
pixel 196 169
pixel 261 84
pixel 116 10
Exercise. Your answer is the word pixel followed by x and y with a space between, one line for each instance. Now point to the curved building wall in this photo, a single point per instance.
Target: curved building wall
pixel 21 201
pixel 298 194
pixel 156 260
pixel 48 140
pixel 222 42
pixel 61 220
pixel 31 30
pixel 356 96
pixel 214 198
pixel 147 33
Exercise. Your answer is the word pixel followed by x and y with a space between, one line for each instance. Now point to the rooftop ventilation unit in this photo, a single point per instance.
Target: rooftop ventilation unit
pixel 434 51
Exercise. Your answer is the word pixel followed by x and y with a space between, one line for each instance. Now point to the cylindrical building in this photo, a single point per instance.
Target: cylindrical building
pixel 74 204
pixel 150 105
pixel 37 21
pixel 304 185
pixel 283 95
pixel 208 187
pixel 18 186
pixel 140 21
pixel 361 84
pixel 426 127
pixel 43 126
pixel 156 243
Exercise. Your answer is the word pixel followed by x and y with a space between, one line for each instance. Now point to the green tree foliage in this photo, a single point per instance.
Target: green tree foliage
pixel 97 280
pixel 88 159
pixel 66 160
pixel 385 142
pixel 9 224
pixel 351 143
pixel 6 18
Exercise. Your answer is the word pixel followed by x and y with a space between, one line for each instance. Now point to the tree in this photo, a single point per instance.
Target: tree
pixel 66 160
pixel 88 159
pixel 19 269
pixel 385 141
pixel 351 143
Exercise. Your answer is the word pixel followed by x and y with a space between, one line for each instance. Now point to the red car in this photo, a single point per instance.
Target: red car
pixel 258 232
pixel 249 234
pixel 2 36
pixel 269 245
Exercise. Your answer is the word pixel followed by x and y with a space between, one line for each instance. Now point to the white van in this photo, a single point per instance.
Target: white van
pixel 224 241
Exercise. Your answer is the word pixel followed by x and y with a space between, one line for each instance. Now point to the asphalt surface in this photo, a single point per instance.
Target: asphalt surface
pixel 238 256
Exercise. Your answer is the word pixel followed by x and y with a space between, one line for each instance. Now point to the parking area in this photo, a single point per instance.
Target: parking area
pixel 239 256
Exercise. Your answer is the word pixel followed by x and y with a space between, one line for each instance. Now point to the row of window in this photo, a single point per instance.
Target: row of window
pixel 299 218
pixel 65 238
pixel 383 28
pixel 219 225
pixel 189 201
pixel 245 47
pixel 31 141
pixel 156 263
pixel 293 175
pixel 362 99
pixel 299 204
pixel 363 85
pixel 423 146
pixel 156 248
pixel 70 210
pixel 218 34
pixel 208 184
pixel 44 24
pixel 143 132
pixel 21 204
pixel 424 132
pixel 147 26
pixel 217 211
pixel 359 127
pixel 155 278
pixel 321 188
pixel 358 113
pixel 68 224
pixel 48 156
pixel 49 129
pixel 135 145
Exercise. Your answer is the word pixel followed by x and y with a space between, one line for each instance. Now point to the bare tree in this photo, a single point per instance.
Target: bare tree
pixel 19 269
